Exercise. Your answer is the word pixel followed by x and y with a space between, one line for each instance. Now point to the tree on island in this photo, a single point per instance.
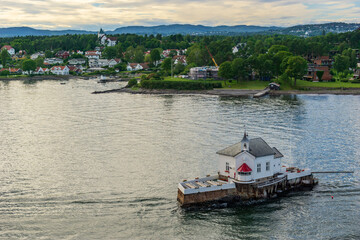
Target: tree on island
pixel 296 67
pixel 29 66
pixel 225 71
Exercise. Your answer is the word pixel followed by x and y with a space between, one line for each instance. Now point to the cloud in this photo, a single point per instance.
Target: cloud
pixel 92 14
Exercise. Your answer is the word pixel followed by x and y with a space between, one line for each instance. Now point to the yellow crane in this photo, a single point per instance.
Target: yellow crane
pixel 213 59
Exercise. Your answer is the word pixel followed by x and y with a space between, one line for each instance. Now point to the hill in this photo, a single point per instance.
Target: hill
pixel 299 30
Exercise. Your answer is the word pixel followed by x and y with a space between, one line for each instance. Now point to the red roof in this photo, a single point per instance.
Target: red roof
pixel 8 47
pixel 244 168
pixel 58 67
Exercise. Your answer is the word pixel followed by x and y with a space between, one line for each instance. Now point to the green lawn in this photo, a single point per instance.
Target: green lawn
pixel 258 85
pixel 337 84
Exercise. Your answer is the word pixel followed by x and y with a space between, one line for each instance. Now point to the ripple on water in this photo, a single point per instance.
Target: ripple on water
pixel 80 166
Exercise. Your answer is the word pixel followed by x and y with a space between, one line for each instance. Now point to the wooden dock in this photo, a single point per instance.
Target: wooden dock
pixel 262 93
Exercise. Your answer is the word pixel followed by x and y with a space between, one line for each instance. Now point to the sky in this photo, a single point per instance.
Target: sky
pixel 110 14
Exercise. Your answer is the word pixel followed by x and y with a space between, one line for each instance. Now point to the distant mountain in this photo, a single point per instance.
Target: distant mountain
pixel 318 29
pixel 191 29
pixel 27 31
pixel 299 30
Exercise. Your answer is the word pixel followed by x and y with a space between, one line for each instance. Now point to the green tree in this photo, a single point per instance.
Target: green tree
pixel 4 57
pixel 39 61
pixel 319 74
pixel 155 56
pixel 278 58
pixel 29 65
pixel 179 68
pixel 296 67
pixel 166 65
pixel 341 63
pixel 274 49
pixel 48 54
pixel 109 52
pixel 225 71
pixel 239 68
pixel 120 66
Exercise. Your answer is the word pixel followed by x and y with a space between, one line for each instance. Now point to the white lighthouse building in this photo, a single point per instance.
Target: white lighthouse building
pixel 249 161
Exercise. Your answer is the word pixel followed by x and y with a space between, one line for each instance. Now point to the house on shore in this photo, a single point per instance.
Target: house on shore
pixel 320 64
pixel 12 70
pixel 60 70
pixel 137 66
pixel 41 71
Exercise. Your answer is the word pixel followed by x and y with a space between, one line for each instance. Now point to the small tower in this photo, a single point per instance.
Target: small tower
pixel 245 143
pixel 101 33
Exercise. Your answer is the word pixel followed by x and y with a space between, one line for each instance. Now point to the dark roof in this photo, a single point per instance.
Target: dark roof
pixel 277 153
pixel 258 148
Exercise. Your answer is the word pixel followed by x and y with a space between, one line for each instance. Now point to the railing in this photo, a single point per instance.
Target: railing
pixel 271 181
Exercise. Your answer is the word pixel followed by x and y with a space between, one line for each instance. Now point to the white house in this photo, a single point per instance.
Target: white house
pixel 136 66
pixel 249 160
pixel 113 62
pixel 93 54
pixel 41 70
pixel 36 55
pixel 98 63
pixel 10 49
pixel 60 70
pixel 50 61
pixel 77 61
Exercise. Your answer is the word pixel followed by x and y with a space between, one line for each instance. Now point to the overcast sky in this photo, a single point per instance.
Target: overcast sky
pixel 110 14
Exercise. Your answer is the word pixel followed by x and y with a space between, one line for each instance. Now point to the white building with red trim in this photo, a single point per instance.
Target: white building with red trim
pixel 60 70
pixel 40 70
pixel 249 160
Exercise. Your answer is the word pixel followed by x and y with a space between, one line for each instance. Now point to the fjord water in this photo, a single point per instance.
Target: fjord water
pixel 75 165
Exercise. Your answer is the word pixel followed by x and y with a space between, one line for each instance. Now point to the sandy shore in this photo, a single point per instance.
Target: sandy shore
pixel 233 92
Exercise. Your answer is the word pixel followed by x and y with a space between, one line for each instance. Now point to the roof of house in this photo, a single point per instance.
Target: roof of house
pixel 58 67
pixel 277 153
pixel 113 38
pixel 244 168
pixel 8 47
pixel 258 148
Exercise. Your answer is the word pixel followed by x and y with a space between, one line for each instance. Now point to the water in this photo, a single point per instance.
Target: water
pixel 75 165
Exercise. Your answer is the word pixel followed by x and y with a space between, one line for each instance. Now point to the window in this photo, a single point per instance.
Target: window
pixel 227 168
pixel 268 166
pixel 259 167
pixel 244 173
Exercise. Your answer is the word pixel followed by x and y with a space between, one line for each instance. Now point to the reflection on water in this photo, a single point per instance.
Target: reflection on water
pixel 84 166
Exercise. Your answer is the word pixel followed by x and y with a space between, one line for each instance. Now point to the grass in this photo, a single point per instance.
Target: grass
pixel 337 84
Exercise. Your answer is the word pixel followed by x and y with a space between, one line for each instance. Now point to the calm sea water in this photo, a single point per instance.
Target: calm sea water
pixel 74 165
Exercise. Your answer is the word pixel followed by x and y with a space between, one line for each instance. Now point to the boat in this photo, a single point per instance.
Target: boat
pixel 247 170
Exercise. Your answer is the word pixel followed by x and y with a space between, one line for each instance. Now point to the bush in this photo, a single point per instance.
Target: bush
pixel 4 73
pixel 355 81
pixel 132 82
pixel 179 85
pixel 344 80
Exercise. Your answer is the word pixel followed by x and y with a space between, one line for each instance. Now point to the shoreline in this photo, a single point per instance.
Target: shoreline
pixel 231 92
